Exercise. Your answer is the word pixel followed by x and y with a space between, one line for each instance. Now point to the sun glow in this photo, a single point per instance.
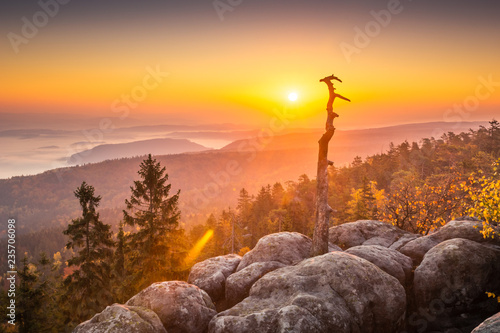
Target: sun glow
pixel 293 97
pixel 196 250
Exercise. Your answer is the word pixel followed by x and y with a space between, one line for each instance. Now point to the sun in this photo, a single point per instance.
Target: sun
pixel 293 96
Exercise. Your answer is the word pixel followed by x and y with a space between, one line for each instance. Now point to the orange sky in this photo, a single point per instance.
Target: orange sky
pixel 240 69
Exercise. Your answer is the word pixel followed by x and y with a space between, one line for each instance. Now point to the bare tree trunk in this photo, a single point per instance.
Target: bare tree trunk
pixel 323 210
pixel 320 237
pixel 232 233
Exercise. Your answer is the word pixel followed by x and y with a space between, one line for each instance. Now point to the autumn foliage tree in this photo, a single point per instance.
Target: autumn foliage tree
pixel 367 202
pixel 484 192
pixel 421 207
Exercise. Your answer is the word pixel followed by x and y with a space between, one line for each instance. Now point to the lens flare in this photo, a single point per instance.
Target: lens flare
pixel 198 247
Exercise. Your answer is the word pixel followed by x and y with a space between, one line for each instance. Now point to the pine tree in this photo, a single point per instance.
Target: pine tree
pixel 365 201
pixel 88 288
pixel 155 216
pixel 244 201
pixel 119 256
pixel 261 207
pixel 245 216
pixel 31 298
pixel 277 194
pixel 119 273
pixel 368 200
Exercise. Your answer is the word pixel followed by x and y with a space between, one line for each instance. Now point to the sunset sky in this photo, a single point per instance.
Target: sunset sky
pixel 413 66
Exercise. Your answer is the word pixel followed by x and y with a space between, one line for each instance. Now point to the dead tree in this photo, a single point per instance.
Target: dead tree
pixel 323 210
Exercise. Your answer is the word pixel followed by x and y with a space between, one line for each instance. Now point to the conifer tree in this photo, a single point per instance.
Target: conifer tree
pixel 120 294
pixel 277 194
pixel 155 216
pixel 38 296
pixel 88 288
pixel 31 298
pixel 245 216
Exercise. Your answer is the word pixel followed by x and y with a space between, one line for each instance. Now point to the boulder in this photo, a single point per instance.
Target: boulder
pixel 366 232
pixel 333 247
pixel 466 228
pixel 388 260
pixel 288 248
pixel 238 284
pixel 210 275
pixel 335 292
pixel 405 239
pixel 490 325
pixel 181 307
pixel 417 248
pixel 119 318
pixel 452 279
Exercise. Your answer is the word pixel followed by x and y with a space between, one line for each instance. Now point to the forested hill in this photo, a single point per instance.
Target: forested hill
pixel 409 183
pixel 348 144
pixel 136 148
pixel 209 180
pixel 206 180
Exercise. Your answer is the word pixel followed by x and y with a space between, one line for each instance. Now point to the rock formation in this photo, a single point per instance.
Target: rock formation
pixel 211 274
pixel 287 248
pixel 335 292
pixel 181 307
pixel 387 280
pixel 490 325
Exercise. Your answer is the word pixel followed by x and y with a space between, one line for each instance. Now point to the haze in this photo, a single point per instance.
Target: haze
pixel 191 64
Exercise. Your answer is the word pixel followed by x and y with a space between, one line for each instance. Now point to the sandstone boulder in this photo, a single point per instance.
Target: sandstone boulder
pixel 466 228
pixel 390 261
pixel 288 248
pixel 417 248
pixel 238 284
pixel 366 232
pixel 335 292
pixel 452 279
pixel 119 318
pixel 405 239
pixel 211 274
pixel 333 247
pixel 181 307
pixel 490 325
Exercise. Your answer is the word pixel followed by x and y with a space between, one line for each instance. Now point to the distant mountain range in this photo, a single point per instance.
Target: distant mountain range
pixel 137 148
pixel 346 145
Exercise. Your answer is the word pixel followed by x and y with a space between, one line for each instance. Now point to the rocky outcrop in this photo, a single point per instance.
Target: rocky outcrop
pixel 333 247
pixel 388 260
pixel 368 232
pixel 181 307
pixel 416 249
pixel 335 292
pixel 452 279
pixel 466 228
pixel 119 318
pixel 490 325
pixel 287 248
pixel 211 274
pixel 403 240
pixel 238 284
pixel 276 287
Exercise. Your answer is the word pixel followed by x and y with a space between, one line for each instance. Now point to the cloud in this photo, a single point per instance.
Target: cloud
pixel 24 134
pixel 49 147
